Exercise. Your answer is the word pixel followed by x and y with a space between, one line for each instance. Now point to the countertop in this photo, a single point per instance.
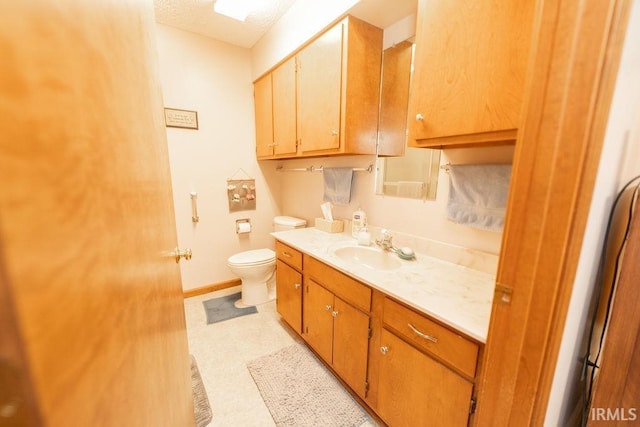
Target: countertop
pixel 455 295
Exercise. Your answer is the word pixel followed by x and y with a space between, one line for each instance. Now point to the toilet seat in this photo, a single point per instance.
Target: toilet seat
pixel 252 258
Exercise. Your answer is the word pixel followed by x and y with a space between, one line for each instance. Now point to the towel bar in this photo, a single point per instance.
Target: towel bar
pixel 320 169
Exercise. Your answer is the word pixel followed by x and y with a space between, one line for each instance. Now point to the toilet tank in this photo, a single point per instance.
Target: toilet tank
pixel 281 223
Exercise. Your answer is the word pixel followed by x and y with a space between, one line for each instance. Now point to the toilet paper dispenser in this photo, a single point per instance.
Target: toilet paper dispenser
pixel 243 226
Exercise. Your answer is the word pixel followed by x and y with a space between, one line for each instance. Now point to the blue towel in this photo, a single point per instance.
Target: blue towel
pixel 337 185
pixel 478 195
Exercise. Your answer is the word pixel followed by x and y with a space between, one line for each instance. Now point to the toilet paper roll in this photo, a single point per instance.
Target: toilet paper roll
pixel 243 227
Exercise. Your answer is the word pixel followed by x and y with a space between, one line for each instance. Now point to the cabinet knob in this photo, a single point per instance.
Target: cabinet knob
pixel 419 117
pixel 334 133
pixel 297 286
pixel 327 307
pixel 384 349
pixel 334 314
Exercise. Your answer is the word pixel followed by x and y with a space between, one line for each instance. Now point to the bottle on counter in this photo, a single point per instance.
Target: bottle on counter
pixel 358 221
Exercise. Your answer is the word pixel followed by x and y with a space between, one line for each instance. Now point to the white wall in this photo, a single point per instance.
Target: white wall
pixel 213 78
pixel 302 194
pixel 618 164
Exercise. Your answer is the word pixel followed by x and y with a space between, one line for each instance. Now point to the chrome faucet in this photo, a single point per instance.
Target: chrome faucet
pixel 385 241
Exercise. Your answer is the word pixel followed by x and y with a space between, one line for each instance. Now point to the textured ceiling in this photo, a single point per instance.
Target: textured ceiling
pixel 197 16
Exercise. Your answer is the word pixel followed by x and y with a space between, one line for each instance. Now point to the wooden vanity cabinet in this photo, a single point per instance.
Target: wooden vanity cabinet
pixel 426 371
pixel 470 66
pixel 324 97
pixel 289 285
pixel 335 325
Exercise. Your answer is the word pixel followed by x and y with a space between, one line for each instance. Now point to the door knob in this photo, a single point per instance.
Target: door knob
pixel 384 349
pixel 334 314
pixel 327 307
pixel 297 286
pixel 419 117
pixel 186 254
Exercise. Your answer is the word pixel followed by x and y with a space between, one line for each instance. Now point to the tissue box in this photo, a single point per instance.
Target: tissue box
pixel 335 226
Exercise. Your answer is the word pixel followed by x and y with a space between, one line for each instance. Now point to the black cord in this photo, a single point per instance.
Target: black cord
pixel 587 362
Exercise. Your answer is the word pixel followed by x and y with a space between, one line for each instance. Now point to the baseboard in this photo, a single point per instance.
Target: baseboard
pixel 211 288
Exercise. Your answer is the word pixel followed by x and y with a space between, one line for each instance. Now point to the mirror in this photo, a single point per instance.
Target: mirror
pixel 414 174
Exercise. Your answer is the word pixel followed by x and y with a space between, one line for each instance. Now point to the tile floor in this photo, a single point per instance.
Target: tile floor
pixel 222 351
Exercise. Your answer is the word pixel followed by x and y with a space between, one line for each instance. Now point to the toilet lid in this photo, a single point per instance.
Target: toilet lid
pixel 256 256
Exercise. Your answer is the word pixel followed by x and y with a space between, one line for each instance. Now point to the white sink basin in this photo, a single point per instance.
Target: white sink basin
pixel 369 257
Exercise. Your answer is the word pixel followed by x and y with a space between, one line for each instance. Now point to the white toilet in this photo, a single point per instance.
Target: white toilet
pixel 256 267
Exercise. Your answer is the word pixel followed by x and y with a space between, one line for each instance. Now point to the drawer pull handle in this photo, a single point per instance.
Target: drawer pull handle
pixel 287 254
pixel 327 307
pixel 297 286
pixel 384 349
pixel 421 335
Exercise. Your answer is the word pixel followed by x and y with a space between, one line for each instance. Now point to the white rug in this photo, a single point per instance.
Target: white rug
pixel 299 391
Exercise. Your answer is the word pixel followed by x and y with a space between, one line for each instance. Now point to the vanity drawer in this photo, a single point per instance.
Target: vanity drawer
pixel 338 283
pixel 442 342
pixel 291 256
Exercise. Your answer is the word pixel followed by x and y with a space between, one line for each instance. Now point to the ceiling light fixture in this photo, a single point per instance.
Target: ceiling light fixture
pixel 236 9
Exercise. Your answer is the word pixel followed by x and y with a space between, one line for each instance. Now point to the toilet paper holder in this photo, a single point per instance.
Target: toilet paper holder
pixel 243 226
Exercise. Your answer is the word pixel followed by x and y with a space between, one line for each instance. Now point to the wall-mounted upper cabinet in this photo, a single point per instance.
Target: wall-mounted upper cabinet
pixel 470 66
pixel 323 98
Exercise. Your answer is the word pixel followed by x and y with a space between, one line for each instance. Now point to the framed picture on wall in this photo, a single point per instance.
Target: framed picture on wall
pixel 186 119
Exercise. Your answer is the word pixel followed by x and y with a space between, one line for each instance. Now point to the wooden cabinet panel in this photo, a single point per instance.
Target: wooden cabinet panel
pixel 350 345
pixel 289 255
pixel 396 76
pixel 470 67
pixel 442 342
pixel 284 109
pixel 415 390
pixel 289 295
pixel 340 284
pixel 319 92
pixel 327 94
pixel 318 322
pixel 262 93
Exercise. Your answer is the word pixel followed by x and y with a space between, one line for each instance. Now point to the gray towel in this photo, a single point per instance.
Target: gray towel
pixel 337 185
pixel 478 195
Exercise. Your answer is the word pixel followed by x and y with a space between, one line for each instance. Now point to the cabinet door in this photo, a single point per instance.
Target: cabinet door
pixel 284 109
pixel 319 92
pixel 318 329
pixel 289 295
pixel 350 345
pixel 262 94
pixel 415 390
pixel 470 66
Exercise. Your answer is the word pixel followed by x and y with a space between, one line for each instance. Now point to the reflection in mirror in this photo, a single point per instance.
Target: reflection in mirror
pixel 414 174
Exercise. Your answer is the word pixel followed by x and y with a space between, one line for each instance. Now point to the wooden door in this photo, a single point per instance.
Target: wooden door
pixel 90 297
pixel 350 345
pixel 284 109
pixel 319 92
pixel 318 322
pixel 289 295
pixel 262 93
pixel 415 390
pixel 470 67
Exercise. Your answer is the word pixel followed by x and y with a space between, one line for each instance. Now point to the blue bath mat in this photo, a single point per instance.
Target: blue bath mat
pixel 223 308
